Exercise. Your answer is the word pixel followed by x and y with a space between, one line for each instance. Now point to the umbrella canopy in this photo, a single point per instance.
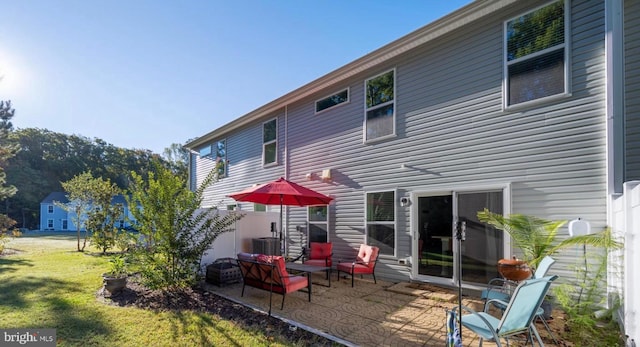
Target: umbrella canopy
pixel 282 192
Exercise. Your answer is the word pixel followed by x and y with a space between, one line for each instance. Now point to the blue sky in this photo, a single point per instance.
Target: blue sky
pixel 146 74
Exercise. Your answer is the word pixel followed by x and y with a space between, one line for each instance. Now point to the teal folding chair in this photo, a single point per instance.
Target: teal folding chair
pixel 499 289
pixel 518 316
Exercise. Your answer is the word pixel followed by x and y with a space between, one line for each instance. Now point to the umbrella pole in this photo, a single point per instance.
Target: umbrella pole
pixel 460 236
pixel 281 226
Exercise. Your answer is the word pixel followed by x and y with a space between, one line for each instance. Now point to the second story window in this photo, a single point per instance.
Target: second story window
pixel 221 158
pixel 380 106
pixel 205 151
pixel 270 142
pixel 50 208
pixel 332 100
pixel 536 55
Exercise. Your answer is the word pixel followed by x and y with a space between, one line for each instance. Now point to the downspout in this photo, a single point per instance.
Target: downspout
pixel 615 137
pixel 614 65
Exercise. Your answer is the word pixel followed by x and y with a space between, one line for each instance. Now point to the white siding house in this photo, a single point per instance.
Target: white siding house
pixel 462 114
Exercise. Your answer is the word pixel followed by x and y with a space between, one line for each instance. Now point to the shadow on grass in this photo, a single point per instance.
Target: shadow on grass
pixel 196 324
pixel 8 265
pixel 53 300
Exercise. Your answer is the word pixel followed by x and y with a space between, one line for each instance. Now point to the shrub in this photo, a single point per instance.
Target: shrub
pixel 175 232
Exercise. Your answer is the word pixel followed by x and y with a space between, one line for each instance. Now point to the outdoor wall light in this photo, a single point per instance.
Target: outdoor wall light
pixel 404 202
pixel 326 175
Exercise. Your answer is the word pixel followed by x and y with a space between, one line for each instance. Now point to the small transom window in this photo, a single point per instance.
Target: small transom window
pixel 332 101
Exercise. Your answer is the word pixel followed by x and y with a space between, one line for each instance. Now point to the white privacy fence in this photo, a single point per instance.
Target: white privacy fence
pixel 624 278
pixel 252 225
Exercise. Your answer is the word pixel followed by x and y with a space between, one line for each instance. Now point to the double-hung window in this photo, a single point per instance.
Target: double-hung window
pixel 379 120
pixel 536 55
pixel 381 221
pixel 318 224
pixel 269 142
pixel 50 209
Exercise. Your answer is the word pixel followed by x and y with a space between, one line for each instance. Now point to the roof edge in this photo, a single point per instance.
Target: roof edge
pixel 464 15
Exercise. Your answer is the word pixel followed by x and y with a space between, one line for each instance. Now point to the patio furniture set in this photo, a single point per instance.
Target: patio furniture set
pixel 273 274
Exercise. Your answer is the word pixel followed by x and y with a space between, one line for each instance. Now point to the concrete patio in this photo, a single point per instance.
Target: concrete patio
pixel 382 314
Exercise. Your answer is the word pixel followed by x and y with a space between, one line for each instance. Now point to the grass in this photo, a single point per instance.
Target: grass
pixel 45 283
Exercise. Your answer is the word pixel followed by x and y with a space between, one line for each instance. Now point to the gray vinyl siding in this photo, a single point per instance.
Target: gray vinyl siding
pixel 632 89
pixel 244 155
pixel 452 132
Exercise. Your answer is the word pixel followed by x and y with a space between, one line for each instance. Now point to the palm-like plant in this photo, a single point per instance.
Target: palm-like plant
pixel 536 237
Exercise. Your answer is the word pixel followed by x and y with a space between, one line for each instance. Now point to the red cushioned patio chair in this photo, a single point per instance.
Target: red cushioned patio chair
pixel 320 255
pixel 365 263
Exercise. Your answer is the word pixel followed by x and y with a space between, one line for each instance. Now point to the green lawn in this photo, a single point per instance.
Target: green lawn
pixel 45 283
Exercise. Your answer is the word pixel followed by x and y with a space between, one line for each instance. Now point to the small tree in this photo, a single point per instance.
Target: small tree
pixel 90 205
pixel 177 232
pixel 103 215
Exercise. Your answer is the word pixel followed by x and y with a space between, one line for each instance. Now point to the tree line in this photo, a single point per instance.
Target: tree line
pixel 36 162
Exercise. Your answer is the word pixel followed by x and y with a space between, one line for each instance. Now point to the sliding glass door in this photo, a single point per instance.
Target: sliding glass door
pixel 438 255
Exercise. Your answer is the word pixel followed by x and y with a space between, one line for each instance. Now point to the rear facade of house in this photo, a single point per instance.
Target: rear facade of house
pixel 516 106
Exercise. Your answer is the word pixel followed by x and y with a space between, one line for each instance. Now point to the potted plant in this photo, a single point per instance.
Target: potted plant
pixel 116 279
pixel 537 237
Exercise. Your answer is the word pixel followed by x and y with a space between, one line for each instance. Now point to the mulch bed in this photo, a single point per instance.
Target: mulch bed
pixel 198 300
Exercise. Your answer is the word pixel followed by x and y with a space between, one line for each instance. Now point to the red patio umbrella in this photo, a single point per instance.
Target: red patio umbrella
pixel 282 192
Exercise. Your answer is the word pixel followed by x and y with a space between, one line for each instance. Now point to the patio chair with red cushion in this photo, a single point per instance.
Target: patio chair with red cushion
pixel 364 264
pixel 320 255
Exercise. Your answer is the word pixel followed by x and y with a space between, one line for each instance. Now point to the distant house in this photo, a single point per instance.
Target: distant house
pixel 54 217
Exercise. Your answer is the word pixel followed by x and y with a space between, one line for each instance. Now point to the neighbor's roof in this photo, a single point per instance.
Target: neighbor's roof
pixel 457 19
pixel 55 196
pixel 62 198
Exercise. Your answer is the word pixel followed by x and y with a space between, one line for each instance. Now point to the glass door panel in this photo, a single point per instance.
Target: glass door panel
pixel 483 246
pixel 435 247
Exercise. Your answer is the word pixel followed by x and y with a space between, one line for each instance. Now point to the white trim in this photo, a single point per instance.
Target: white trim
pixel 452 190
pixel 275 141
pixel 384 104
pixel 210 146
pixel 326 223
pixel 566 46
pixel 394 223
